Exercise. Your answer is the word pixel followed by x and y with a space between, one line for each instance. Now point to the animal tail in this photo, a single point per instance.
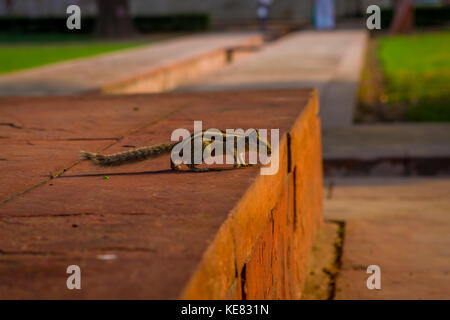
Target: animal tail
pixel 135 155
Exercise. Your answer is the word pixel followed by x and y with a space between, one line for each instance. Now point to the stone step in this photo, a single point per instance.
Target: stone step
pixel 387 149
pixel 398 224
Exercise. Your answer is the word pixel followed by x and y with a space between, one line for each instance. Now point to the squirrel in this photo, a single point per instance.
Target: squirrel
pixel 149 152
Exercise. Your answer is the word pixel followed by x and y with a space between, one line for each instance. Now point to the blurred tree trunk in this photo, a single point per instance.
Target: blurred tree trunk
pixel 113 19
pixel 403 21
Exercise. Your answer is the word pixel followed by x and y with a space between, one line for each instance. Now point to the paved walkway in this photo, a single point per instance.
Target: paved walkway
pixel 329 61
pixel 117 69
pixel 399 224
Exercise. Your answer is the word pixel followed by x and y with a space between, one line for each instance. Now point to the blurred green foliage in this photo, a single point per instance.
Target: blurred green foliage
pixel 416 70
pixel 19 56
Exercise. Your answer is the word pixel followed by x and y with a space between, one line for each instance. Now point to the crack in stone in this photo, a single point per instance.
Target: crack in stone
pixel 10 124
pixel 92 250
pixel 338 260
pixel 59 215
pixel 59 173
pixel 15 126
pixel 28 252
pixel 127 249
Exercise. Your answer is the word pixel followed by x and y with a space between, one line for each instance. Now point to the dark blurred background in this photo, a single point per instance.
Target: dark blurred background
pixel 112 17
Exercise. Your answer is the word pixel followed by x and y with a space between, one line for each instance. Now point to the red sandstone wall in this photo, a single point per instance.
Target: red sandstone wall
pixel 261 251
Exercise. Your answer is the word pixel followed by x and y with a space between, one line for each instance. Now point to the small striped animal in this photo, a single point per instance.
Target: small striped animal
pixel 156 151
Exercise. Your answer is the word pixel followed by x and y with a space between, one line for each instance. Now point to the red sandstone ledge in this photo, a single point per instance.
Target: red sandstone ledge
pixel 230 234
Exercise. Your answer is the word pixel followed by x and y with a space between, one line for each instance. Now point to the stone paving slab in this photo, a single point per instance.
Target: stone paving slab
pixel 117 70
pixel 19 170
pixel 399 224
pixel 129 276
pixel 148 232
pixel 387 140
pixel 328 61
pixel 41 137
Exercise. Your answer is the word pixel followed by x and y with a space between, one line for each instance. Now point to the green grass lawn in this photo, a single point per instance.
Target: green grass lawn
pixel 18 53
pixel 416 70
